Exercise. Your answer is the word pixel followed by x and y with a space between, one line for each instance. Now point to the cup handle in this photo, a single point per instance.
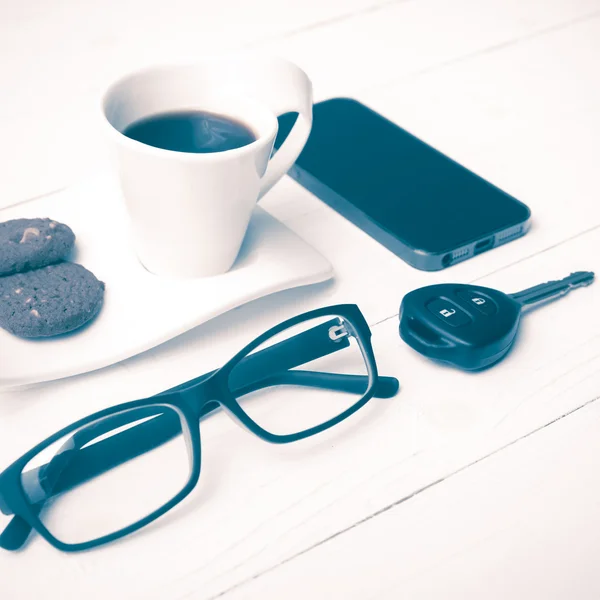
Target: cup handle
pixel 291 92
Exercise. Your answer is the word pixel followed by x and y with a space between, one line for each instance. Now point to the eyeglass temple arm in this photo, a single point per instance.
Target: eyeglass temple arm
pixel 386 387
pixel 262 369
pixel 85 463
pixel 154 427
pixel 279 358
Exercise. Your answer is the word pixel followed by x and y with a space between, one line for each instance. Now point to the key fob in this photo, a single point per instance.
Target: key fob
pixel 470 327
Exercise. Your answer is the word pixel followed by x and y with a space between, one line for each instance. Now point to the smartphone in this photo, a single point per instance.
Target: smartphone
pixel 423 206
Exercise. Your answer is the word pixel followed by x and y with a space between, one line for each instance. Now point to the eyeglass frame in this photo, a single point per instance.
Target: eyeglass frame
pixel 193 401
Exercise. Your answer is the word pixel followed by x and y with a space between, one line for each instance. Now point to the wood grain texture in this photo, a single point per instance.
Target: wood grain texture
pixel 462 486
pixel 522 523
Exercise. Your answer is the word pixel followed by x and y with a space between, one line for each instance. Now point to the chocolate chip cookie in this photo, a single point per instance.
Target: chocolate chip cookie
pixel 27 244
pixel 49 301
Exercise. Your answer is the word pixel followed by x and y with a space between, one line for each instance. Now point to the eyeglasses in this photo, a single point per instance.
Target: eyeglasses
pixel 115 471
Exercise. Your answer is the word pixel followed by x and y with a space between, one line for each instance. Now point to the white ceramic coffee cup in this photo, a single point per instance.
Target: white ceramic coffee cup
pixel 189 212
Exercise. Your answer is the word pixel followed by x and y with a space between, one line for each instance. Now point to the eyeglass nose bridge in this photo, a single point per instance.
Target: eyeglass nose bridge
pixel 204 397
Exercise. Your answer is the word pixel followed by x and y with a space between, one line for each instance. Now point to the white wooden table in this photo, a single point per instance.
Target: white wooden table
pixel 464 486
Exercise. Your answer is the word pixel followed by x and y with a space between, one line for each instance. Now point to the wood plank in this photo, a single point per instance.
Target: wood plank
pixel 258 505
pixel 65 54
pixel 525 117
pixel 526 123
pixel 520 524
pixel 407 39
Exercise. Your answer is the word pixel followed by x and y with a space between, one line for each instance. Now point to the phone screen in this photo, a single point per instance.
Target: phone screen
pixel 408 188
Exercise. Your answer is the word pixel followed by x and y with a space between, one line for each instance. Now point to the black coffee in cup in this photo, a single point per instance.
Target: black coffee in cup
pixel 191 131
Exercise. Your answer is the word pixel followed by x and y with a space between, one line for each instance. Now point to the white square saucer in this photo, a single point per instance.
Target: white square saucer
pixel 142 310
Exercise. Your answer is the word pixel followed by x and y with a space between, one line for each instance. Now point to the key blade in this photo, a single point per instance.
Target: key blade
pixel 553 289
pixel 580 279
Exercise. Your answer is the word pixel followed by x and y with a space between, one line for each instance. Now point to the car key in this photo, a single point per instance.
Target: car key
pixel 469 326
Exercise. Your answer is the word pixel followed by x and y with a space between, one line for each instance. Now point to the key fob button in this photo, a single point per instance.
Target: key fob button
pixel 448 312
pixel 481 303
